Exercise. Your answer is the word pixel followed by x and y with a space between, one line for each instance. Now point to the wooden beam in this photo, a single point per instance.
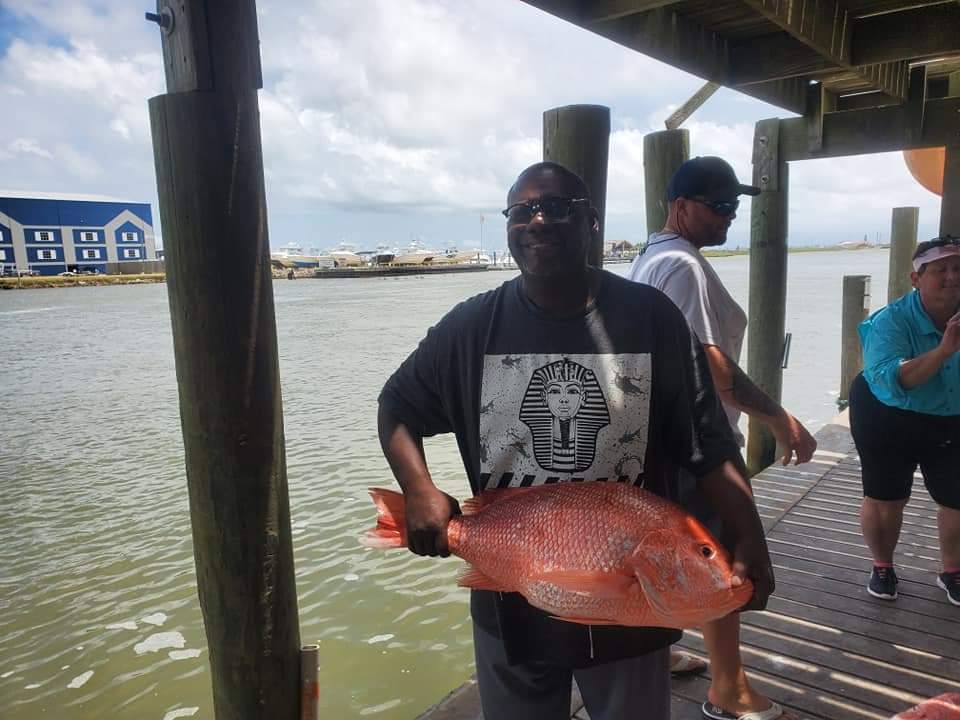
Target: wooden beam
pixel 873 130
pixel 907 35
pixel 773 57
pixel 859 101
pixel 826 27
pixel 820 24
pixel 599 11
pixel 673 39
pixel 680 115
pixel 820 102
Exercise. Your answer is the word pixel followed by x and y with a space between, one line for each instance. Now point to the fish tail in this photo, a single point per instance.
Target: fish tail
pixel 391 531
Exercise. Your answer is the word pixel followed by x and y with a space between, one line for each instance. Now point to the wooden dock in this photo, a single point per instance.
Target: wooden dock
pixel 825 648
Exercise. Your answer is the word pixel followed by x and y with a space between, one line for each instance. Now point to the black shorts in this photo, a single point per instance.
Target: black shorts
pixel 892 442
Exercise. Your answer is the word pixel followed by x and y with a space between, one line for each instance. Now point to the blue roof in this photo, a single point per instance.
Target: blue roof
pixel 74 213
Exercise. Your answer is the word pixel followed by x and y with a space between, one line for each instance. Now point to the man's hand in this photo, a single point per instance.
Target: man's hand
pixel 793 438
pixel 751 560
pixel 428 512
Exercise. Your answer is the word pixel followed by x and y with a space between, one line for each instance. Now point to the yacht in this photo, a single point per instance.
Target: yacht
pixel 415 254
pixel 344 256
pixel 292 255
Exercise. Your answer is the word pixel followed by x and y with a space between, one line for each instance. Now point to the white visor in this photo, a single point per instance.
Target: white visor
pixel 934 254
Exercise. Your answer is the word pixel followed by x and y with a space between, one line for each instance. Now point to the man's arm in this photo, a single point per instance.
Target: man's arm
pixel 918 370
pixel 731 497
pixel 428 509
pixel 736 389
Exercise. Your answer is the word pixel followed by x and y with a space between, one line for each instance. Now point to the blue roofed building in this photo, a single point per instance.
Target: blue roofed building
pixel 54 233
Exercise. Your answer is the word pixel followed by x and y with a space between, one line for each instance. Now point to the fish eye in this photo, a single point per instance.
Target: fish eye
pixel 707 551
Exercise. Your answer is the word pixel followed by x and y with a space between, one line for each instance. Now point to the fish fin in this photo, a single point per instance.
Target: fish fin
pixel 488 497
pixel 391 530
pixel 585 621
pixel 476 580
pixel 591 583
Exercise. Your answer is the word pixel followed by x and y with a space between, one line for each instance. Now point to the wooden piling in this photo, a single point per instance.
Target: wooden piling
pixel 768 283
pixel 663 153
pixel 950 200
pixel 856 307
pixel 309 683
pixel 903 241
pixel 578 137
pixel 207 151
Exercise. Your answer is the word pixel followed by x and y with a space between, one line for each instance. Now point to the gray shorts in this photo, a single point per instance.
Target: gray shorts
pixel 619 690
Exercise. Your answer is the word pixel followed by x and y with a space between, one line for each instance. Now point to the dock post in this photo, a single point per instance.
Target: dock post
pixel 950 200
pixel 903 241
pixel 768 283
pixel 663 153
pixel 856 307
pixel 309 683
pixel 209 167
pixel 578 137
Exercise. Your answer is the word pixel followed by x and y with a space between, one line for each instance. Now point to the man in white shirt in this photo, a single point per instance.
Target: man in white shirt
pixel 703 200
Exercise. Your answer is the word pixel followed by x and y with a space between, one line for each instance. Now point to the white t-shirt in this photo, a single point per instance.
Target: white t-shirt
pixel 675 266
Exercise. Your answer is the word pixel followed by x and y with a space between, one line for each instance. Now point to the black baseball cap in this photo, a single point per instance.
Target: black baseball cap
pixel 708 177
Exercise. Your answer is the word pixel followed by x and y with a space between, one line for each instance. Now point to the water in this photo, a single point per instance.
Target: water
pixel 98 609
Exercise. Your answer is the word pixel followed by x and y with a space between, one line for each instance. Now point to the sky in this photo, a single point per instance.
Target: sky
pixel 385 121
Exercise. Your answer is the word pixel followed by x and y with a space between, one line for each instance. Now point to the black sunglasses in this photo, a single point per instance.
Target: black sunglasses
pixel 553 209
pixel 723 208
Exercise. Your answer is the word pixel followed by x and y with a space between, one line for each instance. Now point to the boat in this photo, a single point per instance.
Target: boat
pixel 344 256
pixel 472 257
pixel 383 255
pixel 292 255
pixel 415 254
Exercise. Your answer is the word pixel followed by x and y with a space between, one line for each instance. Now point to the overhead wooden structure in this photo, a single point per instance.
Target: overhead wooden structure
pixel 866 76
pixel 830 60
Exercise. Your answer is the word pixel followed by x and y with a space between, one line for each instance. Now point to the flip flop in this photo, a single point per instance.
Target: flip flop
pixel 715 712
pixel 686 665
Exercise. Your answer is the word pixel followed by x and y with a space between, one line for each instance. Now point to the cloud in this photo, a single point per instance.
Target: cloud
pixel 404 116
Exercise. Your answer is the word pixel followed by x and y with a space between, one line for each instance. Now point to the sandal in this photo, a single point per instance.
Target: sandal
pixel 686 665
pixel 715 712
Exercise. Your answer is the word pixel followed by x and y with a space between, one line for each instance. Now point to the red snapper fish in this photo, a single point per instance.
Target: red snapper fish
pixel 942 707
pixel 595 553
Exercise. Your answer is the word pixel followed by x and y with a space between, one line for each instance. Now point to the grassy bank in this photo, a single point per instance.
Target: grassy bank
pixel 55 281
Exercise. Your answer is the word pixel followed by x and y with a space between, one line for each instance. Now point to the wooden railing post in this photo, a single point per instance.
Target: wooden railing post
pixel 663 153
pixel 768 283
pixel 950 201
pixel 209 164
pixel 903 241
pixel 856 307
pixel 578 137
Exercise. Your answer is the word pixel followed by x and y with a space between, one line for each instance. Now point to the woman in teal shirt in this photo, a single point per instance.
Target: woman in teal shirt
pixel 905 412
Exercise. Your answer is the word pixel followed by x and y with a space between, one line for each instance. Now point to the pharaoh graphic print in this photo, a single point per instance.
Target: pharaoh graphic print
pixel 547 418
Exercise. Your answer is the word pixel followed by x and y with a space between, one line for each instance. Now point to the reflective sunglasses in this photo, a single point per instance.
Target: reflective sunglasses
pixel 553 209
pixel 723 208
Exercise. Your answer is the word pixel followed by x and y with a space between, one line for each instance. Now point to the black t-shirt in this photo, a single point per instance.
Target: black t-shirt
pixel 619 393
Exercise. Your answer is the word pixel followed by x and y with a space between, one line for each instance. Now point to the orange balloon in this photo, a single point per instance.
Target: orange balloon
pixel 926 166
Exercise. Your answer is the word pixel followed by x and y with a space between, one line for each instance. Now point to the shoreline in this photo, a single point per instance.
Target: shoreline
pixel 57 281
pixel 29 282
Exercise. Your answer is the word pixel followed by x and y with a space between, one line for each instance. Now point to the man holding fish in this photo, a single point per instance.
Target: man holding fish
pixel 563 376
